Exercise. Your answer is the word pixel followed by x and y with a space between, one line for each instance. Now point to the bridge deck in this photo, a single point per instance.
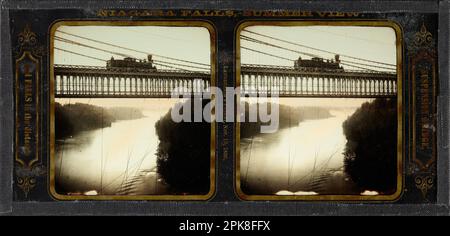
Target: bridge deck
pixel 103 71
pixel 291 71
pixel 256 80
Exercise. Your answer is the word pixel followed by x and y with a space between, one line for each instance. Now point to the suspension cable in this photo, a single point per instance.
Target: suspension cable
pixel 318 49
pixel 134 50
pixel 267 54
pixel 79 54
pixel 120 54
pixel 344 62
pixel 99 59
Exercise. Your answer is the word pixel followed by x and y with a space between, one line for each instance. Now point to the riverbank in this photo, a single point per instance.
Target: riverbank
pixel 371 149
pixel 288 117
pixel 71 119
pixel 305 158
pixel 115 160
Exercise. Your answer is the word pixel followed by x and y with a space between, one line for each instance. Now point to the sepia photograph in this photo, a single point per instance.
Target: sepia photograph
pixel 113 134
pixel 336 122
pixel 223 108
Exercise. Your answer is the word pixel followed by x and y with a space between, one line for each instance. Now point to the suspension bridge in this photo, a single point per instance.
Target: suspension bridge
pixel 157 78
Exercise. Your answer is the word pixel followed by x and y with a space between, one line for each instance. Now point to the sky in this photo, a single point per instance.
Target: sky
pixel 193 43
pixel 187 43
pixel 372 43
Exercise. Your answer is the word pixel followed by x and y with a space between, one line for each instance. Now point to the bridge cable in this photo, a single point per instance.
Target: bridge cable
pixel 268 54
pixel 79 54
pixel 91 47
pixel 359 67
pixel 95 58
pixel 134 50
pixel 110 52
pixel 176 64
pixel 276 46
pixel 309 54
pixel 312 55
pixel 317 49
pixel 272 55
pixel 172 67
pixel 343 63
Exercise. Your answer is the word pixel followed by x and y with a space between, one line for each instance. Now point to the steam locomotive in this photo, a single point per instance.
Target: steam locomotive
pixel 131 64
pixel 318 64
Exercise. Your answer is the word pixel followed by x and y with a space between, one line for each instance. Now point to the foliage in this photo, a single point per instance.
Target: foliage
pixel 183 156
pixel 70 119
pixel 288 117
pixel 371 149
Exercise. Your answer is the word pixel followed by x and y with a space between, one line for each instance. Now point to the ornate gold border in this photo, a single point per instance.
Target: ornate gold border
pixel 422 48
pixel 423 55
pixel 27 173
pixel 400 119
pixel 37 74
pixel 174 23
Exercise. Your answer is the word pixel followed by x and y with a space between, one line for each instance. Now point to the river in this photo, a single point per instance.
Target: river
pixel 114 160
pixel 121 159
pixel 303 159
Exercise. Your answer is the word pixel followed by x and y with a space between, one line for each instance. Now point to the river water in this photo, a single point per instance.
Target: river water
pixel 303 159
pixel 114 160
pixel 306 158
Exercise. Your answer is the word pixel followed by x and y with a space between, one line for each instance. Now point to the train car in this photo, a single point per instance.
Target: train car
pixel 131 64
pixel 318 64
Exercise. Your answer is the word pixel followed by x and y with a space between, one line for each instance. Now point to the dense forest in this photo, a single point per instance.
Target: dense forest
pixel 183 156
pixel 71 119
pixel 371 149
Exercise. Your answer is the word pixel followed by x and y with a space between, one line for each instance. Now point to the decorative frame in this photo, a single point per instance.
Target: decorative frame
pixel 422 57
pixel 400 114
pixel 51 176
pixel 29 165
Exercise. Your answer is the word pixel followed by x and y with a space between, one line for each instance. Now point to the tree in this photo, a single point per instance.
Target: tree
pixel 371 149
pixel 183 155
